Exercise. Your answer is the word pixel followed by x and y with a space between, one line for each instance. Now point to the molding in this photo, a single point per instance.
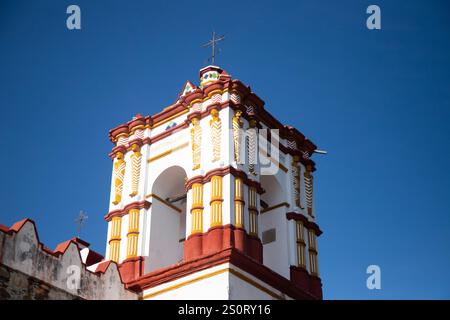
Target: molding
pixel 121 212
pixel 224 85
pixel 182 284
pixel 167 152
pixel 308 224
pixel 212 274
pixel 231 256
pixel 237 173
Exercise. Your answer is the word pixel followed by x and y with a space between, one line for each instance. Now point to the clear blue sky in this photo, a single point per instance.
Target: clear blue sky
pixel 377 101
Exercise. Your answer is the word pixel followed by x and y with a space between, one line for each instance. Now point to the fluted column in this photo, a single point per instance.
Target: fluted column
pixel 312 248
pixel 253 211
pixel 300 237
pixel 114 239
pixel 197 208
pixel 239 203
pixel 133 233
pixel 216 201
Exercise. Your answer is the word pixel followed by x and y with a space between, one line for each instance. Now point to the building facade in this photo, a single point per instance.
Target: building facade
pixel 190 208
pixel 212 198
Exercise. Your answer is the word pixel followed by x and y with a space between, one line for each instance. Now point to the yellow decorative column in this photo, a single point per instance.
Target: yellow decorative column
pixel 253 211
pixel 301 259
pixel 237 125
pixel 119 174
pixel 216 132
pixel 296 181
pixel 216 201
pixel 239 202
pixel 197 208
pixel 309 189
pixel 196 142
pixel 312 244
pixel 252 147
pixel 133 233
pixel 114 239
pixel 135 169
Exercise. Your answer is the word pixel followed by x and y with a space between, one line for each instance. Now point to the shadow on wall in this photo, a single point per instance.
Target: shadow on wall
pixel 168 219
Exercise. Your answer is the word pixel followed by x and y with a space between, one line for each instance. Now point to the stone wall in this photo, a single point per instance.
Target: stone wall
pixel 29 270
pixel 15 285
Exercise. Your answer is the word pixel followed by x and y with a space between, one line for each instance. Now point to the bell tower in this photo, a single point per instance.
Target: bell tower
pixel 213 198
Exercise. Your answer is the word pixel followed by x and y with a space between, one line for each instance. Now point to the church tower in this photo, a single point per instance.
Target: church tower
pixel 212 198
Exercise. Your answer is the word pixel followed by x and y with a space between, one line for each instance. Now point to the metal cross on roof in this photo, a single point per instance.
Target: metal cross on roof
pixel 80 220
pixel 213 44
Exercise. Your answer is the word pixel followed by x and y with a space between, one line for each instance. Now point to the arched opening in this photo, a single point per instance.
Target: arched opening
pixel 274 193
pixel 168 219
pixel 274 225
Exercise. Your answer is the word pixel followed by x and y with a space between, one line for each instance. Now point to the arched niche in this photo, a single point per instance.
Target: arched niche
pixel 273 225
pixel 167 219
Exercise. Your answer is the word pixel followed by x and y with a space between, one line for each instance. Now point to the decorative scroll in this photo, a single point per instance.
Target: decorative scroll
pixel 196 141
pixel 135 169
pixel 119 174
pixel 237 125
pixel 216 132
pixel 252 147
pixel 197 208
pixel 216 201
pixel 114 239
pixel 296 181
pixel 309 190
pixel 239 202
pixel 133 233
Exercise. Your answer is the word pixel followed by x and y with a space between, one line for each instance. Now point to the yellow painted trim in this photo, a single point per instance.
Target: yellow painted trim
pixel 157 124
pixel 164 202
pixel 182 284
pixel 142 127
pixel 195 101
pixel 255 284
pixel 212 274
pixel 217 91
pixel 165 153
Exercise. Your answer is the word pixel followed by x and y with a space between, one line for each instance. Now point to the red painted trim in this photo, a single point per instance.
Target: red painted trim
pixel 231 256
pixel 247 97
pixel 222 237
pixel 302 279
pixel 308 224
pixel 131 268
pixel 223 172
pixel 121 212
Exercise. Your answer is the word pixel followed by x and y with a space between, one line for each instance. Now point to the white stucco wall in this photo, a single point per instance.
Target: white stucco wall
pixel 215 283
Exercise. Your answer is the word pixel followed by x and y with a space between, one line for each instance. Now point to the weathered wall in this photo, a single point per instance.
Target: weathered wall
pixel 29 271
pixel 15 285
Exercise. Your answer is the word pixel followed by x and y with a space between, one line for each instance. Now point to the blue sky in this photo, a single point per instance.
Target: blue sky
pixel 377 101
